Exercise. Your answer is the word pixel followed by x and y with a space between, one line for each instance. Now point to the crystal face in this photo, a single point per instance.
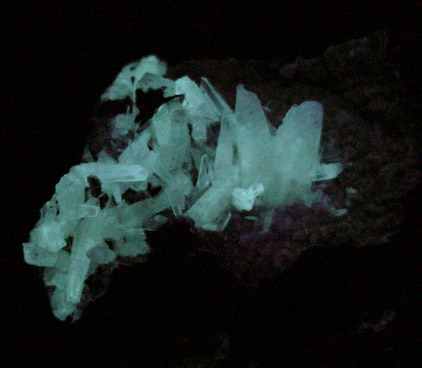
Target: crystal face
pixel 246 168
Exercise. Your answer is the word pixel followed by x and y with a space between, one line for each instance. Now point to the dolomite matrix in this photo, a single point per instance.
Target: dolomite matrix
pixel 251 165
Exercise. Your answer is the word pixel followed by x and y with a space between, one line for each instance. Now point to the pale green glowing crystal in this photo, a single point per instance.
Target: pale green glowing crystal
pixel 249 167
pixel 127 80
pixel 296 146
pixel 153 81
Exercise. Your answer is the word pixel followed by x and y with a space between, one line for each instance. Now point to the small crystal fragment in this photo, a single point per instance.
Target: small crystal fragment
pixel 243 199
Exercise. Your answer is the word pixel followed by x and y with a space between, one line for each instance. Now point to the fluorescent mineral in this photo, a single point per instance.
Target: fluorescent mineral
pixel 248 167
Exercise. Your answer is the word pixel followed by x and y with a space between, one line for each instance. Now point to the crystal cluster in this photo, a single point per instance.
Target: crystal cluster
pixel 250 165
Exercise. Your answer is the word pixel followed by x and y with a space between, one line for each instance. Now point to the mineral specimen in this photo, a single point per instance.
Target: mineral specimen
pixel 247 167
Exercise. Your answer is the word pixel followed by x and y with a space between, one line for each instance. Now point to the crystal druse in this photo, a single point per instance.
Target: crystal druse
pixel 251 165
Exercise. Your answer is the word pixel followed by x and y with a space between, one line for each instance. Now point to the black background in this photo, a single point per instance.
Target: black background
pixel 61 56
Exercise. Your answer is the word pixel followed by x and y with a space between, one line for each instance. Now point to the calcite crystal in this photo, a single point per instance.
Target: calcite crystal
pixel 251 165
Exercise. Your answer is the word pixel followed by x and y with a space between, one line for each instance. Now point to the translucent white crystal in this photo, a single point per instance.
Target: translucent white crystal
pixel 79 262
pixel 296 146
pixel 122 124
pixel 62 308
pixel 326 171
pixel 153 81
pixel 35 255
pixel 172 135
pixel 219 223
pixel 268 219
pixel 70 195
pixel 87 155
pixel 250 113
pixel 199 129
pixel 90 208
pixel 224 153
pixel 243 199
pixel 138 150
pixel 90 232
pixel 111 173
pixel 58 275
pixel 195 100
pixel 204 175
pixel 253 139
pixel 154 222
pixel 137 213
pixel 49 235
pixel 214 202
pixel 178 189
pixel 162 124
pixel 215 98
pixel 101 254
pixel 134 245
pixel 339 212
pixel 126 81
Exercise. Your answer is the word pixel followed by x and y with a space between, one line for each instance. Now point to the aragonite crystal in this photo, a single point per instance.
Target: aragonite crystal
pixel 248 167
